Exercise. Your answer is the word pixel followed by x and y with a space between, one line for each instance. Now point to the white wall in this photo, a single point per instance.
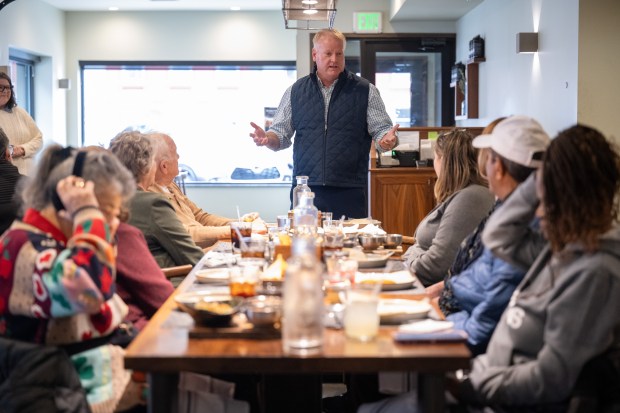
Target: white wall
pixel 542 85
pixel 38 28
pixel 599 60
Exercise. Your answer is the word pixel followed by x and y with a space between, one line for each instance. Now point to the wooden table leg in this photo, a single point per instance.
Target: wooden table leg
pixel 431 392
pixel 288 393
pixel 163 393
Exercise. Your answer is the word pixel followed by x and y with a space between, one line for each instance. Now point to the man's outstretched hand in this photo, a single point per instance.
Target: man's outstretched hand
pixel 259 136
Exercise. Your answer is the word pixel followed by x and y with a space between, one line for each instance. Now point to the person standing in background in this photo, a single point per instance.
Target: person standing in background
pixel 335 115
pixel 20 128
pixel 9 176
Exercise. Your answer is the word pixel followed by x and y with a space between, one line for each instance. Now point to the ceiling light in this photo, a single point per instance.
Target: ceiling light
pixel 113 8
pixel 235 8
pixel 309 14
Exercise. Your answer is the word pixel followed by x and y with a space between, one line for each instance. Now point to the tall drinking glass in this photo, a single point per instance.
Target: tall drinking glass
pixel 361 315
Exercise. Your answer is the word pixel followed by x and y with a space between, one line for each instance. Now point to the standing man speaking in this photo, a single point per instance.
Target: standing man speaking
pixel 334 115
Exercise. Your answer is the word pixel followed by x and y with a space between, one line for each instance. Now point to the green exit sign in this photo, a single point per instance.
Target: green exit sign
pixel 367 22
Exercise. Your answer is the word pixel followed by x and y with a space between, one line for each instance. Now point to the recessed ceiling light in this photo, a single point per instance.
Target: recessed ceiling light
pixel 311 11
pixel 235 8
pixel 309 1
pixel 113 8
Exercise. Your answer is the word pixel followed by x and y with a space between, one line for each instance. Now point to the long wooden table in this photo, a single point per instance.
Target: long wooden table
pixel 163 350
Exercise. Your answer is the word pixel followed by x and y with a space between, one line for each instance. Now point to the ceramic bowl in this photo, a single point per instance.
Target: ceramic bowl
pixel 210 310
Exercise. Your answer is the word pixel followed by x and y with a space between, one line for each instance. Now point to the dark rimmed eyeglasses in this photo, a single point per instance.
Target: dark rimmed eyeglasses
pixel 4 88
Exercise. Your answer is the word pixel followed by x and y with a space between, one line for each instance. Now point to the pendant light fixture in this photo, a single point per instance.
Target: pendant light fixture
pixel 309 14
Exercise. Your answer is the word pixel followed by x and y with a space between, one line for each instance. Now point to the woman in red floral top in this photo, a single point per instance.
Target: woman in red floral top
pixel 57 266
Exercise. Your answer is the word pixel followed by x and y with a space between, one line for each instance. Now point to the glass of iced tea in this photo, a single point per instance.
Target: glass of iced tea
pixel 253 247
pixel 239 228
pixel 245 277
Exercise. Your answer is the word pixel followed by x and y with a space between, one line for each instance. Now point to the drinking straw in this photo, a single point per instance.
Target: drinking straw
pixel 241 241
pixel 238 213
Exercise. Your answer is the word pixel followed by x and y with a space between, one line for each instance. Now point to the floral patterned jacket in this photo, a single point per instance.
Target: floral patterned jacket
pixel 55 290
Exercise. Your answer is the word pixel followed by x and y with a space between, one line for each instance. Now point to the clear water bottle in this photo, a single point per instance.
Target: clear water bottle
pixel 306 215
pixel 302 321
pixel 302 186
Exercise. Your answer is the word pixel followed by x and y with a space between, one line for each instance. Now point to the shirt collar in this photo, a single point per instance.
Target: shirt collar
pixel 34 218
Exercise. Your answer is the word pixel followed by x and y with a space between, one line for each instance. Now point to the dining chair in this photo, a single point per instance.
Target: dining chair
pixel 38 378
pixel 407 242
pixel 598 387
pixel 177 271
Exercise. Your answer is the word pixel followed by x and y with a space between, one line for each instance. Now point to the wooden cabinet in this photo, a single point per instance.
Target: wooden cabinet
pixel 401 197
pixel 466 98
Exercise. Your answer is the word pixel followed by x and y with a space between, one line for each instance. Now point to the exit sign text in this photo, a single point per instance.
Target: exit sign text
pixel 367 22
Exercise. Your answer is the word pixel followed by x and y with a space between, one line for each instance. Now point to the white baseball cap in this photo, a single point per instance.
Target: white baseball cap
pixel 520 139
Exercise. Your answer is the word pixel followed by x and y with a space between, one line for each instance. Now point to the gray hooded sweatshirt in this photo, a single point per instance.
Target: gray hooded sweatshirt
pixel 565 312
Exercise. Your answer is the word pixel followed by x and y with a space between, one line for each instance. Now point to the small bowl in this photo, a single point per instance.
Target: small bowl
pixel 371 242
pixel 263 311
pixel 209 310
pixel 393 240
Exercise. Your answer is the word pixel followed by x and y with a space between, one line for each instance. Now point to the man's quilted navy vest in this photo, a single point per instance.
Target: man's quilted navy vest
pixel 335 154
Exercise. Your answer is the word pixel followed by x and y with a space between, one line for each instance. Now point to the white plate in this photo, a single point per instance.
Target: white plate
pixel 361 222
pixel 193 297
pixel 217 276
pixel 397 311
pixel 390 281
pixel 426 327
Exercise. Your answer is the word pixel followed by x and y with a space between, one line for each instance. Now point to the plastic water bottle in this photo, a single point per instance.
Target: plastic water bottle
pixel 302 187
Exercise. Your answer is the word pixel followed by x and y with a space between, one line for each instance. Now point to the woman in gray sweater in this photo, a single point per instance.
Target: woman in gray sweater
pixel 566 311
pixel 463 200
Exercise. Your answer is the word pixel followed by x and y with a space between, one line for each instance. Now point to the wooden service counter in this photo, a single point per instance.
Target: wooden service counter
pixel 400 197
